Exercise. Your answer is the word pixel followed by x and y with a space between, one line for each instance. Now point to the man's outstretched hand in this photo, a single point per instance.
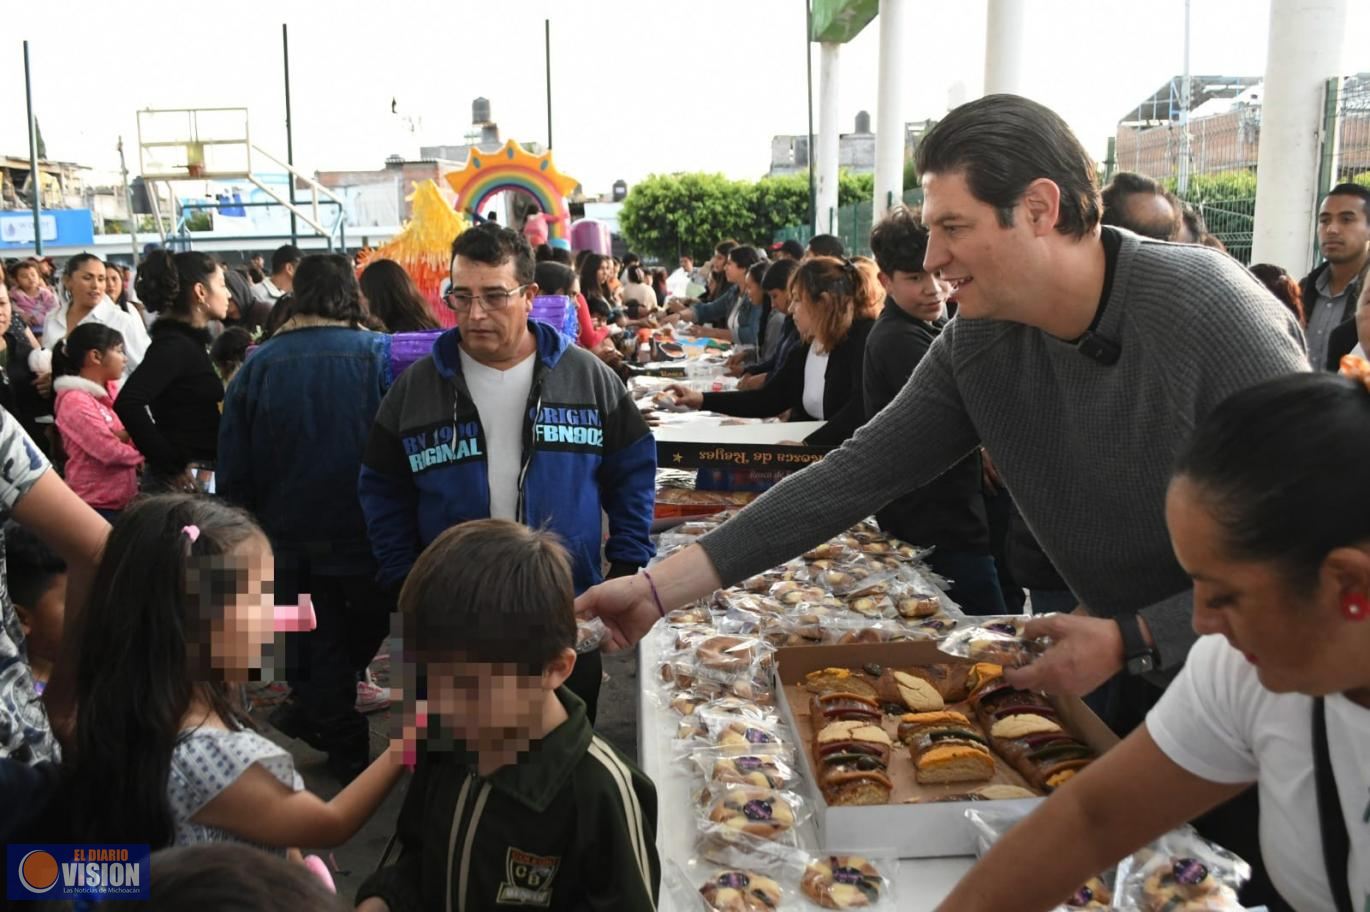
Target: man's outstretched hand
pixel 626 607
pixel 1084 653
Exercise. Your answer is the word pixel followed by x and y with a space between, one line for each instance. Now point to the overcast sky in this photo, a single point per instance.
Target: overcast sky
pixel 638 86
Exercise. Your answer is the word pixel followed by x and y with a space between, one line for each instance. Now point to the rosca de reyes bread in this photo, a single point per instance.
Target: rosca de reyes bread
pixel 946 747
pixel 851 759
pixel 1025 729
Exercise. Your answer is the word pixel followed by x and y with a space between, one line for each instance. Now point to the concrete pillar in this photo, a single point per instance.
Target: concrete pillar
pixel 1005 22
pixel 889 115
pixel 825 211
pixel 1304 50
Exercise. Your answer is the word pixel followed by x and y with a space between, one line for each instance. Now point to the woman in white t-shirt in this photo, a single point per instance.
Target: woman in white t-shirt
pixel 1267 513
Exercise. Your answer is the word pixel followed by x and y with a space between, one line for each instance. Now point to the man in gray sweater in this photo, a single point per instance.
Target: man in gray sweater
pixel 1082 358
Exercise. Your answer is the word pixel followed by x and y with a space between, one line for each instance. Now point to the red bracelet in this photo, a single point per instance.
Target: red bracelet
pixel 655 596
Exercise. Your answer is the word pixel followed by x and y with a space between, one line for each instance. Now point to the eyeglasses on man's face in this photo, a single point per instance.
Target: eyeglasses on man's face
pixel 491 300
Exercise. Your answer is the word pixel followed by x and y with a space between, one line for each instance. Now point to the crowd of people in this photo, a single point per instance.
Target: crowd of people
pixel 1070 393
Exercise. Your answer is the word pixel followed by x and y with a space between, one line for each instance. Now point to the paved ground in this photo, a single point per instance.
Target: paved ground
pixel 617 721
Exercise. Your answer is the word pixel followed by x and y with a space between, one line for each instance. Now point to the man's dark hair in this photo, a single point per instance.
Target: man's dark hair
pixel 283 256
pixel 491 591
pixel 325 286
pixel 778 275
pixel 630 258
pixel 1124 186
pixel 725 247
pixel 495 246
pixel 899 242
pixel 744 256
pixel 542 253
pixel 792 248
pixel 1349 189
pixel 553 278
pixel 31 567
pixel 561 255
pixel 1002 143
pixel 829 245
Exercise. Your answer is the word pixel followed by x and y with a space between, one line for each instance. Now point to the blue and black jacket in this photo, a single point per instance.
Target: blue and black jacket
pixel 585 448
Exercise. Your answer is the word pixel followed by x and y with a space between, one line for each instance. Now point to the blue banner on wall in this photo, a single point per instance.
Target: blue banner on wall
pixel 60 227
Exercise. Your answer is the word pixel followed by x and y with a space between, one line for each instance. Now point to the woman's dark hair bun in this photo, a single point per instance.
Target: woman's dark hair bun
pixel 158 282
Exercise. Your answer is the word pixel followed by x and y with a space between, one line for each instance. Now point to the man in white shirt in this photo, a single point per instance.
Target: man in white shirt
pixel 510 419
pixel 281 282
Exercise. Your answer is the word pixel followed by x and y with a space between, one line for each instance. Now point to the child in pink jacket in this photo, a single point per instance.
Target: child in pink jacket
pixel 102 465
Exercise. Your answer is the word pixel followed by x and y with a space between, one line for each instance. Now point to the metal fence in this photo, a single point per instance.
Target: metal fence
pixel 1346 132
pixel 853 224
pixel 1232 222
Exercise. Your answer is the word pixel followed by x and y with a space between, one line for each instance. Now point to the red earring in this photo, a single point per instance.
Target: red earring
pixel 1355 606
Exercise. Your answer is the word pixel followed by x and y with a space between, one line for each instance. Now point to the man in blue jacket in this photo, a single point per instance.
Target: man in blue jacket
pixel 509 419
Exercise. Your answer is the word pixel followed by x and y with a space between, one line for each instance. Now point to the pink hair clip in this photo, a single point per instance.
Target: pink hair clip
pixel 191 532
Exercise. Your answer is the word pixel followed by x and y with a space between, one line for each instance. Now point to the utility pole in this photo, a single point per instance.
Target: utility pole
pixel 808 70
pixel 35 178
pixel 547 55
pixel 128 201
pixel 289 134
pixel 1182 181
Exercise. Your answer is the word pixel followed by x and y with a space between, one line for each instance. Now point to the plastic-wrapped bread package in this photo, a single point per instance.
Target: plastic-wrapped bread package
pixel 795 880
pixel 1181 872
pixel 740 823
pixel 997 639
pixel 989 824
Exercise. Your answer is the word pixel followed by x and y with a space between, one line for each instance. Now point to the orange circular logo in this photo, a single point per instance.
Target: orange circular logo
pixel 38 871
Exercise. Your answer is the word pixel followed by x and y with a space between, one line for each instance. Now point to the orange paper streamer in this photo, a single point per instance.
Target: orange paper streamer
pixel 424 247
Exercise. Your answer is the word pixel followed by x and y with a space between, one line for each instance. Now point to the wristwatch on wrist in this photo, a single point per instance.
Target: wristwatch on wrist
pixel 1138 657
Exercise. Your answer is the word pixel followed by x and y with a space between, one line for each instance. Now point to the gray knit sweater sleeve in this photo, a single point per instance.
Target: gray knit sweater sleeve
pixel 922 433
pixel 1233 335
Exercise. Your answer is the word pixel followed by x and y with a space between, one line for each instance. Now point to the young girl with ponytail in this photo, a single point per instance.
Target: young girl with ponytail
pixel 102 464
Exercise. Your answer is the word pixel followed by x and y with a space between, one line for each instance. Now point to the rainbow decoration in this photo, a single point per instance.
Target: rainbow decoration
pixel 515 168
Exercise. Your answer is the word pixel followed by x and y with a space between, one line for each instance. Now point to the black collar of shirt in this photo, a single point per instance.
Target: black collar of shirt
pixel 933 326
pixel 539 776
pixel 1113 243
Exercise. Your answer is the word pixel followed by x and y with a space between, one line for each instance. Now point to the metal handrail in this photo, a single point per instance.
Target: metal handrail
pixel 181 233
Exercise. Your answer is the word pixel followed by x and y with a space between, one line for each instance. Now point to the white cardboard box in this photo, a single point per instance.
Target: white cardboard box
pixel 932 830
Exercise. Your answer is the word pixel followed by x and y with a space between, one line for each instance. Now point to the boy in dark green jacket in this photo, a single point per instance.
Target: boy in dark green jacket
pixel 515 802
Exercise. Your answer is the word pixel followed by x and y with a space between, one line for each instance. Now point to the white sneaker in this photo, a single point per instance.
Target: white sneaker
pixel 371 698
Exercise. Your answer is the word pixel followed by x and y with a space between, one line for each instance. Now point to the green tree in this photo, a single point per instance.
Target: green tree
pixel 776 203
pixel 667 215
pixel 855 188
pixel 1221 185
